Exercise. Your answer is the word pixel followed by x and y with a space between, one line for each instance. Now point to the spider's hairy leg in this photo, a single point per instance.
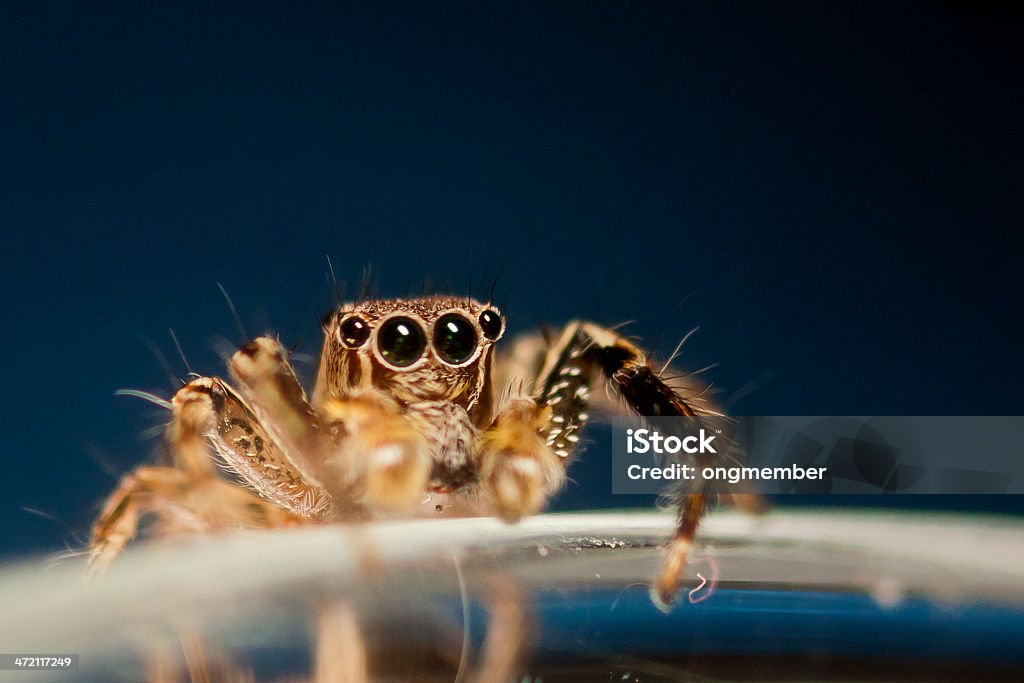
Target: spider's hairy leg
pixel 356 447
pixel 517 467
pixel 263 374
pixel 379 453
pixel 211 419
pixel 666 585
pixel 635 379
pixel 119 519
pixel 181 502
pixel 585 350
pixel 190 496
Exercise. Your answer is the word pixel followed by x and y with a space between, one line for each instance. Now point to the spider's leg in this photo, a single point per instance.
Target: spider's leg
pixel 181 502
pixel 266 379
pixel 585 351
pixel 209 414
pixel 360 449
pixel 190 496
pixel 666 585
pixel 119 520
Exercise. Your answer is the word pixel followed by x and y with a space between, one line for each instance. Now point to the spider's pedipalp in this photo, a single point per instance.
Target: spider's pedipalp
pixel 380 458
pixel 517 467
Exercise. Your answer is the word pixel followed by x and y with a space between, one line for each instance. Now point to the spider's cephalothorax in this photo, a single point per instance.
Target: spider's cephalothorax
pixel 410 399
pixel 436 349
pixel 427 359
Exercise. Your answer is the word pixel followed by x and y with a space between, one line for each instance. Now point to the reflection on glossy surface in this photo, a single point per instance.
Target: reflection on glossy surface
pixel 799 595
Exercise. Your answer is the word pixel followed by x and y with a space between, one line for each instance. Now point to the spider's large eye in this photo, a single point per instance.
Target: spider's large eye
pixel 401 341
pixel 490 323
pixel 454 338
pixel 354 331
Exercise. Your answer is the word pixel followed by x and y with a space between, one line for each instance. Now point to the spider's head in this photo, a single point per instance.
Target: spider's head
pixel 436 348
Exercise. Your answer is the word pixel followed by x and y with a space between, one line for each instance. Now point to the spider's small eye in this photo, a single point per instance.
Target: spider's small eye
pixel 401 341
pixel 454 338
pixel 490 323
pixel 354 331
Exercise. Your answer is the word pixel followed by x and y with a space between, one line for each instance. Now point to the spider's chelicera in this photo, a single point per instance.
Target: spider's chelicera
pixel 410 399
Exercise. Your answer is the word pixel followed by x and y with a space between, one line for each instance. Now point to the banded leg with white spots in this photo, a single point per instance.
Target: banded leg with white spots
pixel 585 353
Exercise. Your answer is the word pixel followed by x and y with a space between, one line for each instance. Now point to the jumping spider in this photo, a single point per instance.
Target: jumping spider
pixel 406 403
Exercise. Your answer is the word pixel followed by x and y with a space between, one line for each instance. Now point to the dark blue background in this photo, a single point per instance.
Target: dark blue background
pixel 829 189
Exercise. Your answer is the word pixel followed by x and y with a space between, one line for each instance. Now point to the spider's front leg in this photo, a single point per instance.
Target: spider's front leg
pixel 360 449
pixel 190 496
pixel 582 354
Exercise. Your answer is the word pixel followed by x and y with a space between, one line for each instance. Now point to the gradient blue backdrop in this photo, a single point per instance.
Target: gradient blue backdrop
pixel 829 191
